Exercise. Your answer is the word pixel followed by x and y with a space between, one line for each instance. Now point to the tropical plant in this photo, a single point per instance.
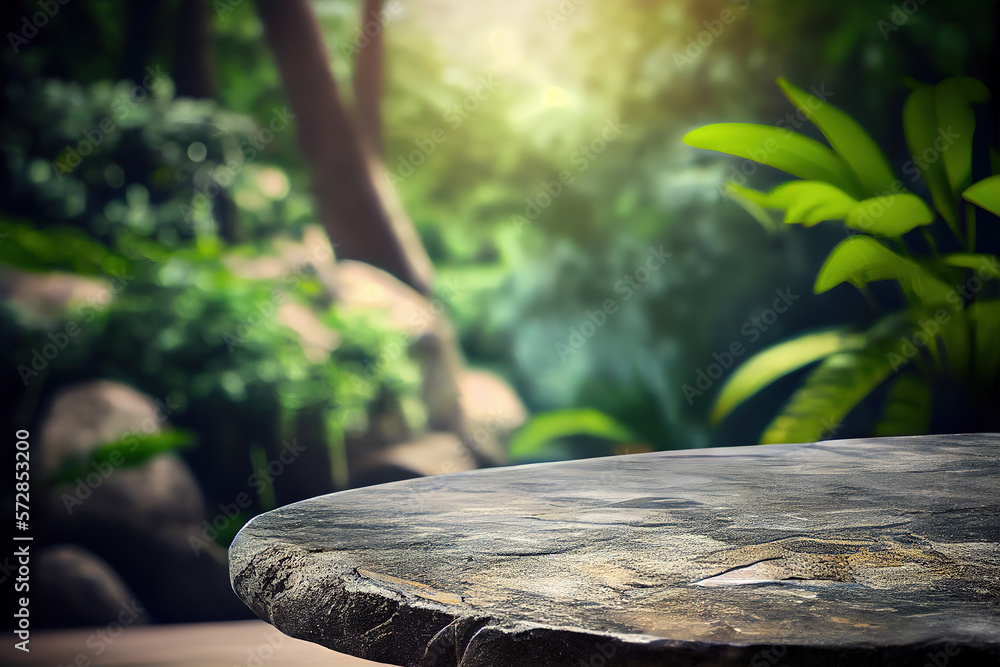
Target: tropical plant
pixel 949 328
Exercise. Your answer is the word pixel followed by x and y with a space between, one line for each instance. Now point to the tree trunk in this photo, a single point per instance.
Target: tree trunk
pixel 368 75
pixel 356 202
pixel 193 75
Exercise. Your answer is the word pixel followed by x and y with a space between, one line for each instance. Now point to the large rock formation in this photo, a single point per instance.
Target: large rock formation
pixel 473 411
pixel 146 521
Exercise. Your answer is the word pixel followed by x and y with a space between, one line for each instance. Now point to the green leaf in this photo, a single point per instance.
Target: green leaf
pixel 988 264
pixel 907 409
pixel 891 215
pixel 957 122
pixel 542 429
pixel 848 139
pixel 830 392
pixel 985 194
pixel 955 342
pixel 127 452
pixel 984 317
pixel 805 202
pixel 813 202
pixel 775 362
pixel 757 197
pixel 747 199
pixel 862 259
pixel 780 148
pixel 921 125
pixel 55 248
pixel 974 90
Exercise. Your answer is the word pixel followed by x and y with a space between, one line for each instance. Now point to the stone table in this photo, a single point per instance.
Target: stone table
pixel 852 552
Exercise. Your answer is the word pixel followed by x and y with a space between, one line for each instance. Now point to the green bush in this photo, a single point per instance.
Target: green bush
pixel 950 327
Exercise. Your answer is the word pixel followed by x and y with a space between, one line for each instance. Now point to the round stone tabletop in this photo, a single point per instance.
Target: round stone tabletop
pixel 851 552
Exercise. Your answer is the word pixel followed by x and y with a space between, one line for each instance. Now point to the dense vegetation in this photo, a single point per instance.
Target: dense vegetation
pixel 582 250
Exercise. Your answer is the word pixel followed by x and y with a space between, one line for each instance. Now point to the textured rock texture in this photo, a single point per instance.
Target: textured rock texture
pixel 863 552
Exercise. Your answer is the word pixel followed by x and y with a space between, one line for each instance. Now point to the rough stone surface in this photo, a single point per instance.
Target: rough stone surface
pixel 863 552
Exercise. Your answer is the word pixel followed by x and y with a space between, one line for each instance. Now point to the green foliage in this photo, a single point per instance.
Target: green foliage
pixel 907 408
pixel 956 334
pixel 830 392
pixel 162 169
pixel 898 214
pixel 188 329
pixel 860 260
pixel 805 202
pixel 521 284
pixel 127 452
pixel 142 214
pixel 986 194
pixel 776 362
pixel 57 248
pixel 848 139
pixel 780 148
pixel 536 437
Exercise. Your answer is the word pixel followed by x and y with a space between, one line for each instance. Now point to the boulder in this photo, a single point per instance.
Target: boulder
pixel 492 409
pixel 430 454
pixel 147 521
pixel 73 587
pixel 42 299
pixel 478 407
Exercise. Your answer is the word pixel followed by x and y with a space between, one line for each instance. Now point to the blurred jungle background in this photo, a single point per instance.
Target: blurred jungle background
pixel 252 252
